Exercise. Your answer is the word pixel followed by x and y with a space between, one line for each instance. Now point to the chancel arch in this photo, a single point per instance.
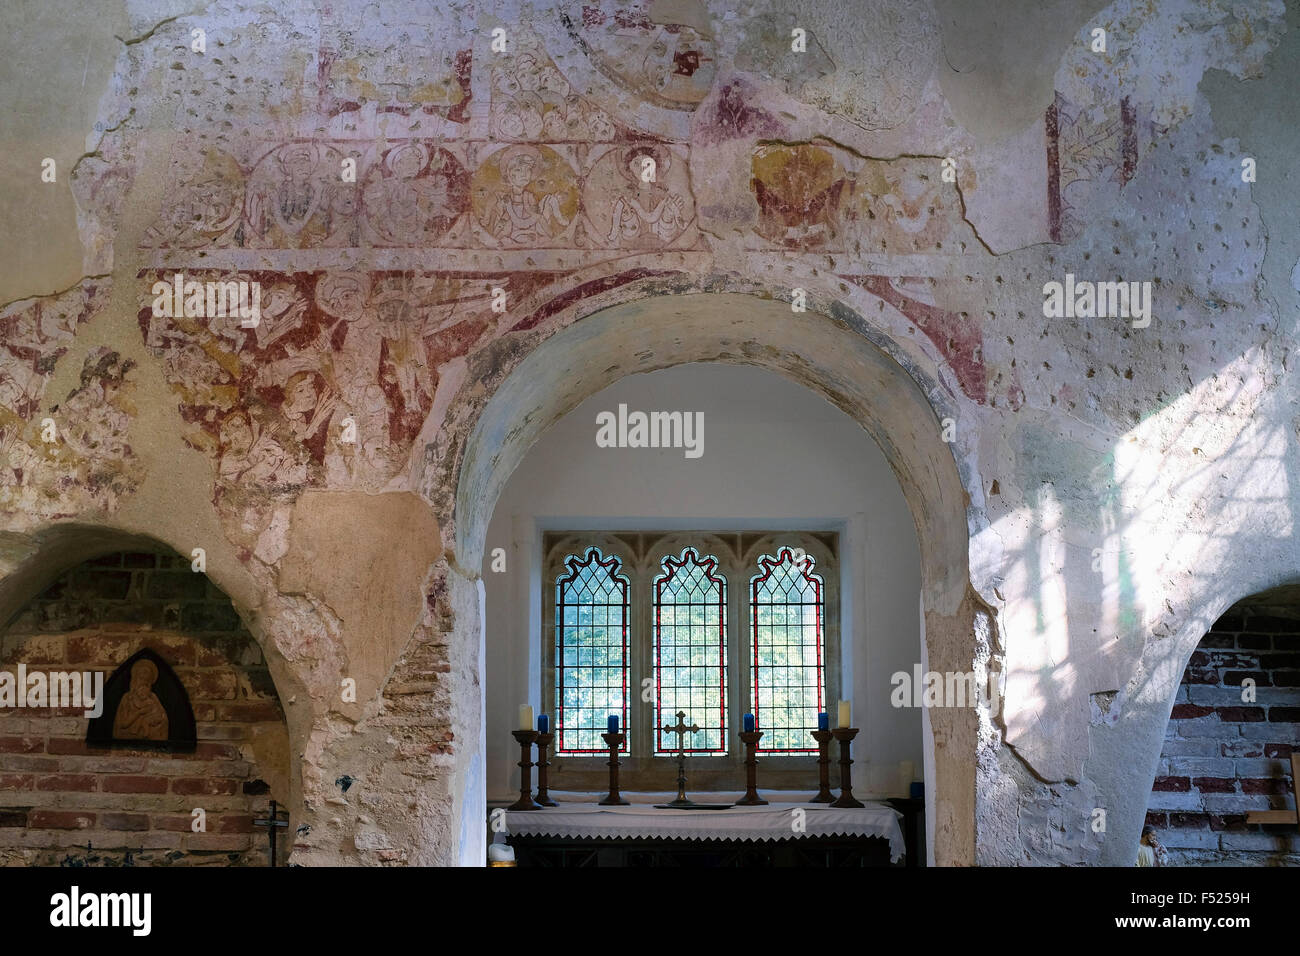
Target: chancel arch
pixel 830 359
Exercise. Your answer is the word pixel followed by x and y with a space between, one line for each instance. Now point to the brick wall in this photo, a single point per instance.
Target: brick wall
pixel 1224 757
pixel 61 803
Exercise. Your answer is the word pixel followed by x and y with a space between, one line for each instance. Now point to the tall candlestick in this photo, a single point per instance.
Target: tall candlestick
pixel 525 738
pixel 750 739
pixel 823 738
pixel 613 741
pixel 845 736
pixel 544 738
pixel 845 714
pixel 526 717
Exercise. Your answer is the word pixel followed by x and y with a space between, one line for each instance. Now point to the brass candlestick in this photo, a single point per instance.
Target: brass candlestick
pixel 751 798
pixel 824 795
pixel 525 801
pixel 543 741
pixel 845 736
pixel 613 799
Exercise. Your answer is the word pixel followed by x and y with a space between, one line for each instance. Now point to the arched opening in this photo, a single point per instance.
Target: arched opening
pixel 775 460
pixel 187 740
pixel 1226 757
pixel 829 358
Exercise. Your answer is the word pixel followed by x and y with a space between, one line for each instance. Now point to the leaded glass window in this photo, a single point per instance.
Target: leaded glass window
pixel 690 653
pixel 591 651
pixel 787 609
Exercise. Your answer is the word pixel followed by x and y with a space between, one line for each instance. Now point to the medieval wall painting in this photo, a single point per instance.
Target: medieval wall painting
pixel 413 195
pixel 813 196
pixel 1087 150
pixel 78 456
pixel 638 197
pixel 296 199
pixel 525 196
pixel 206 207
pixel 532 101
pixel 670 64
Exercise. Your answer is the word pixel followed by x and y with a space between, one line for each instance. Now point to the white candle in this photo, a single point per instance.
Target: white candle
pixel 500 852
pixel 845 712
pixel 905 768
pixel 526 717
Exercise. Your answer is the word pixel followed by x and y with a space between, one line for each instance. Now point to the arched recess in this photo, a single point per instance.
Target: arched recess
pixel 1229 735
pixel 32 562
pixel 829 357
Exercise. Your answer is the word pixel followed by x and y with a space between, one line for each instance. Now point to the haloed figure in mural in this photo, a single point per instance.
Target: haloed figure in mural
pixel 520 215
pixel 647 209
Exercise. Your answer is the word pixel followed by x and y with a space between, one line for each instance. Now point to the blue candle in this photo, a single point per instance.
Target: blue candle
pixel 823 721
pixel 748 723
pixel 613 723
pixel 543 724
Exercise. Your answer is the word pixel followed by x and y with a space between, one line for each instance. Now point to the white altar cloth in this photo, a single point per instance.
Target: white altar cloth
pixel 579 815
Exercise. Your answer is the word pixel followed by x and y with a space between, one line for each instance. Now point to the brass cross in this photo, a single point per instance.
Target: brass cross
pixel 681 730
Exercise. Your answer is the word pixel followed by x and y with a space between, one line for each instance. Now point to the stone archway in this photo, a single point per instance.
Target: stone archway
pixel 92 600
pixel 826 356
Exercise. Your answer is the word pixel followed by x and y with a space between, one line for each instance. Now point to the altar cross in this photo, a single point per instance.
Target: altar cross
pixel 681 730
pixel 272 822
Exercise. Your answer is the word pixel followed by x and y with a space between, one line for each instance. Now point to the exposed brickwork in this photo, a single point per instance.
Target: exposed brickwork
pixel 64 802
pixel 1225 756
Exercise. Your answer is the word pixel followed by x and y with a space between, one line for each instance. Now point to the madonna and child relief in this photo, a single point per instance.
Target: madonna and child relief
pixel 140 714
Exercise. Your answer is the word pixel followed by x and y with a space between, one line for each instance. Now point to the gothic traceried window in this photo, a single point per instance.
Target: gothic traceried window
pixel 716 624
pixel 690 627
pixel 591 645
pixel 787 621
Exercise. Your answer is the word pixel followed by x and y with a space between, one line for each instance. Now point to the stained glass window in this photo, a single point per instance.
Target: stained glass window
pixel 591 659
pixel 690 652
pixel 788 615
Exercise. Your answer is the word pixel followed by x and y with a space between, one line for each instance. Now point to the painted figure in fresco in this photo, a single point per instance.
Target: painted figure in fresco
pixel 531 100
pixel 308 404
pixel 516 106
pixel 519 215
pixel 140 715
pixel 297 196
pixel 404 204
pixel 647 207
pixel 251 455
pixel 403 345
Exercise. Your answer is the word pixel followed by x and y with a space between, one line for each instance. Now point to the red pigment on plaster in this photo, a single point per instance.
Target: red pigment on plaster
pixel 594 287
pixel 959 340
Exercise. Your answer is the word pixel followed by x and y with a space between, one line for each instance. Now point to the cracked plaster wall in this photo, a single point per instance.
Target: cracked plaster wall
pixel 1164 455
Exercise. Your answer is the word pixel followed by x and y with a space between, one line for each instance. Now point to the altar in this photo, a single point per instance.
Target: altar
pixel 788 831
